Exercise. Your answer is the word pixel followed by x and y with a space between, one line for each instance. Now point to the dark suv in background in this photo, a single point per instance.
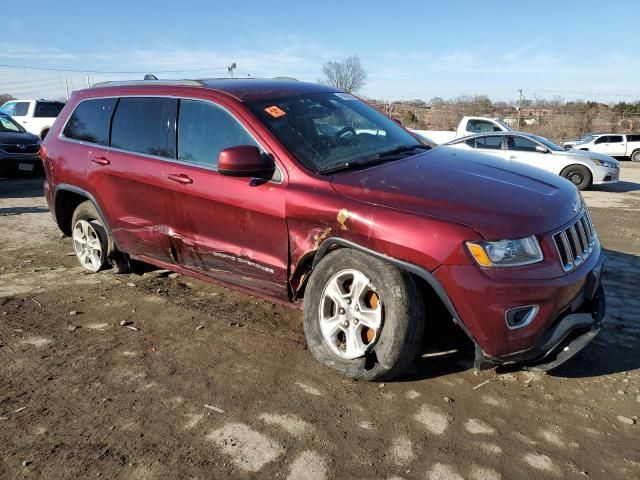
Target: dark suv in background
pixel 304 194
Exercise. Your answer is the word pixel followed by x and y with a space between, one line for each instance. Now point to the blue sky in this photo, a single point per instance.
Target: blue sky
pixel 412 49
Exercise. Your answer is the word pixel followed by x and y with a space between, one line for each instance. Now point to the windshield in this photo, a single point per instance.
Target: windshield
pixel 548 143
pixel 8 125
pixel 327 130
pixel 586 139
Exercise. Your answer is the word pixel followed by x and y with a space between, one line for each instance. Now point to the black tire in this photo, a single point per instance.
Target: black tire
pixel 635 156
pixel 579 175
pixel 118 261
pixel 44 134
pixel 400 336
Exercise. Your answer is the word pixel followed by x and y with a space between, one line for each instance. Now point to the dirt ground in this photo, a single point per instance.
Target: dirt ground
pixel 213 384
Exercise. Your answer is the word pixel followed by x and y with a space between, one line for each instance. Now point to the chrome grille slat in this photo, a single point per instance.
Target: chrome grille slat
pixel 583 237
pixel 575 242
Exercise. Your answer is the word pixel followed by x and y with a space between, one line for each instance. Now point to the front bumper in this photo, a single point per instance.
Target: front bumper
pixel 603 175
pixel 569 333
pixel 481 301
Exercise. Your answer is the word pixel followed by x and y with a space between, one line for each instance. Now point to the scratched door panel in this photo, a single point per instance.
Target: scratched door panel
pixel 231 229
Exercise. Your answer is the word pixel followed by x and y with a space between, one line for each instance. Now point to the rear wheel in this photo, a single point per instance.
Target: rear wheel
pixel 579 175
pixel 91 241
pixel 363 317
pixel 635 156
pixel 44 133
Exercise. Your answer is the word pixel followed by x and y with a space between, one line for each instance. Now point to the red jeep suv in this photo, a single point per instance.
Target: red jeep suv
pixel 304 194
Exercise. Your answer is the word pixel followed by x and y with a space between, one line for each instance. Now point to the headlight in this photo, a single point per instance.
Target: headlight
pixel 604 163
pixel 506 253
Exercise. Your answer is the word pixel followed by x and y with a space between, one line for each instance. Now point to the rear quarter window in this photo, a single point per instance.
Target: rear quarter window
pixel 90 121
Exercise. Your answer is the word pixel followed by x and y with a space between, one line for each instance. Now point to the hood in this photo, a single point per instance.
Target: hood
pixel 496 198
pixel 23 138
pixel 588 154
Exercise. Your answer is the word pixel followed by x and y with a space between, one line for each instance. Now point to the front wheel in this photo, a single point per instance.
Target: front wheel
pixel 363 317
pixel 579 175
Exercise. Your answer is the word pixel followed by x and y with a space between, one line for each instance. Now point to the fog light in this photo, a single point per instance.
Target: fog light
pixel 521 316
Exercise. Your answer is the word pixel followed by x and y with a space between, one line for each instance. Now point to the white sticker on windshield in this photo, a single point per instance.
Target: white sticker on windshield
pixel 345 96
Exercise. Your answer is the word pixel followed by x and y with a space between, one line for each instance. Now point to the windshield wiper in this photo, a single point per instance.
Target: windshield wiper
pixel 379 158
pixel 402 149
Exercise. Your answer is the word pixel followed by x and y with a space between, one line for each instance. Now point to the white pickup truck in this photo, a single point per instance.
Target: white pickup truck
pixel 613 144
pixel 467 126
pixel 36 116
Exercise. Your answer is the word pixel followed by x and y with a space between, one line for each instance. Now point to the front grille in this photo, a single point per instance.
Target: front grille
pixel 575 243
pixel 26 149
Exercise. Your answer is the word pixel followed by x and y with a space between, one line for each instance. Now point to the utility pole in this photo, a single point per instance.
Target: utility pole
pixel 88 79
pixel 231 68
pixel 66 85
pixel 519 106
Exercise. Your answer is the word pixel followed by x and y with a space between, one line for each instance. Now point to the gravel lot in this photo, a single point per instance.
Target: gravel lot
pixel 216 384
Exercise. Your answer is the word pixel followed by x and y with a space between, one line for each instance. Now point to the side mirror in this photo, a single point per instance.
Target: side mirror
pixel 541 149
pixel 245 161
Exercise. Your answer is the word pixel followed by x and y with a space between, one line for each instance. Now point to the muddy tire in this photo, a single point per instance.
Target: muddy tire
pixel 363 317
pixel 92 243
pixel 579 175
pixel 635 156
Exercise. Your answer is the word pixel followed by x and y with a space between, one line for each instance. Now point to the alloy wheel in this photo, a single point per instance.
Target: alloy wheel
pixel 87 245
pixel 351 314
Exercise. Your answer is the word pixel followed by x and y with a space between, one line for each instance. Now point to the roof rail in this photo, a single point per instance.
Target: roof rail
pixel 119 83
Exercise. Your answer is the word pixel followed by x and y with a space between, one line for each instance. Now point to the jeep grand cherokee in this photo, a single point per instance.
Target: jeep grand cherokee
pixel 304 194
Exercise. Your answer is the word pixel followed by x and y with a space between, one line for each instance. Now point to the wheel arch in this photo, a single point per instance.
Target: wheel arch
pixel 578 164
pixel 66 200
pixel 333 243
pixel 44 131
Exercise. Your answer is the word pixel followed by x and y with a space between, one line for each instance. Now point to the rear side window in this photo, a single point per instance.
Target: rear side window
pixel 145 125
pixel 204 130
pixel 493 142
pixel 48 109
pixel 615 138
pixel 90 121
pixel 21 109
pixel 633 138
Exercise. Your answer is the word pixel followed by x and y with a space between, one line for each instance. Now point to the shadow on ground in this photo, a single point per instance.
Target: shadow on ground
pixel 615 349
pixel 21 187
pixel 620 187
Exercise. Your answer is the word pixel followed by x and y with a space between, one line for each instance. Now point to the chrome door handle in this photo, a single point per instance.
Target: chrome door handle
pixel 100 160
pixel 180 178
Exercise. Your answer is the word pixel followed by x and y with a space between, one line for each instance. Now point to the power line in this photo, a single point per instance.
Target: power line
pixel 52 69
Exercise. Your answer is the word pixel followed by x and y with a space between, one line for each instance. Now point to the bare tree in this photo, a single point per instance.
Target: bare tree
pixel 348 74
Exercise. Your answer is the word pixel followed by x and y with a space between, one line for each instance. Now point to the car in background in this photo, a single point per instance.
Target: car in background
pixel 585 139
pixel 583 169
pixel 36 116
pixel 614 144
pixel 19 149
pixel 467 126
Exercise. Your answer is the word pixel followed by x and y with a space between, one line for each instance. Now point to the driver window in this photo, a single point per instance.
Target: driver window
pixel 521 144
pixel 604 139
